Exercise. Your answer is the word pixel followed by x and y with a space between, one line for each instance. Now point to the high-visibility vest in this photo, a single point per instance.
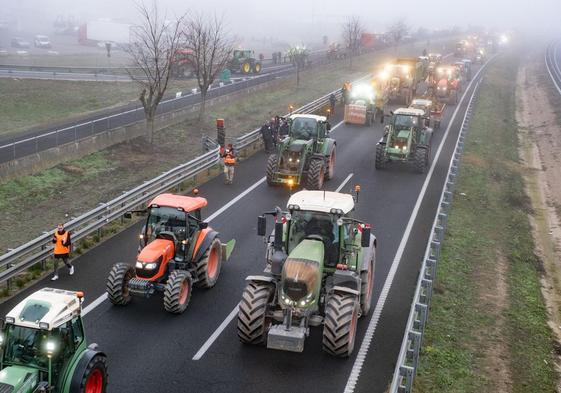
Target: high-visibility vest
pixel 60 240
pixel 229 159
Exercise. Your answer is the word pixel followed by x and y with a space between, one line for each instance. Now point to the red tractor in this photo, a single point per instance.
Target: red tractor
pixel 448 84
pixel 177 249
pixel 182 64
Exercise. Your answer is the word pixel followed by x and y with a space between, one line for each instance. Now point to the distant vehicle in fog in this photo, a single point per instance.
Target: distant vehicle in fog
pixel 42 41
pixel 18 42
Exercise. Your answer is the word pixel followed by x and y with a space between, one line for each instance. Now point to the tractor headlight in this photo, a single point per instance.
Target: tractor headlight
pixel 307 300
pixel 1 340
pixel 10 320
pixel 50 346
pixel 150 266
pixel 43 326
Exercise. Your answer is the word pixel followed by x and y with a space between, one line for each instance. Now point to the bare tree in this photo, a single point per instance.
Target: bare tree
pixel 152 48
pixel 397 31
pixel 206 37
pixel 352 33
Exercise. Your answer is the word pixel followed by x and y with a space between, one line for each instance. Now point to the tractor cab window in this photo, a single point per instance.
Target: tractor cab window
pixel 25 346
pixel 303 128
pixel 316 225
pixel 166 222
pixel 77 332
pixel 405 122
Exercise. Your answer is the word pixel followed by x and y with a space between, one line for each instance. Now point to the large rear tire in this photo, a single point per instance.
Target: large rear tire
pixel 272 169
pixel 177 291
pixel 421 160
pixel 339 329
pixel 246 67
pixel 94 379
pixel 257 68
pixel 366 281
pixel 331 165
pixel 380 162
pixel 117 286
pixel 253 324
pixel 316 175
pixel 208 269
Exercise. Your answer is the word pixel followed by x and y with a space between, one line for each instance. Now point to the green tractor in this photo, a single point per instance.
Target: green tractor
pixel 319 271
pixel 306 154
pixel 44 347
pixel 406 139
pixel 244 62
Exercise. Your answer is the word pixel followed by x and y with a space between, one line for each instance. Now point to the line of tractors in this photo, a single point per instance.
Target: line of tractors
pixel 319 260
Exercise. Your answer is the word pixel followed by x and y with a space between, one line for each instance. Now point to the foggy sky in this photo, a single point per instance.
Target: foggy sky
pixel 307 20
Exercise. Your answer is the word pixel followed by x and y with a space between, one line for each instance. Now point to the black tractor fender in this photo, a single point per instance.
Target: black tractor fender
pixel 426 136
pixel 80 369
pixel 205 244
pixel 346 281
pixel 331 144
pixel 261 278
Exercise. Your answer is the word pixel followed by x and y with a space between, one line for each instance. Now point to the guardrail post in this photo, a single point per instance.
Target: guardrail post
pixel 430 271
pixel 407 373
pixel 434 249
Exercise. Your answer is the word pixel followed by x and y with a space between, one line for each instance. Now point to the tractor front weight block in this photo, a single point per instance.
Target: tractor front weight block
pixel 286 340
pixel 141 287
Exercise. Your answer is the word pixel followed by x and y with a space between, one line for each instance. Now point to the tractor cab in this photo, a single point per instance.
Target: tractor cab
pixel 405 130
pixel 422 104
pixel 43 345
pixel 242 54
pixel 435 58
pixel 173 220
pixel 308 127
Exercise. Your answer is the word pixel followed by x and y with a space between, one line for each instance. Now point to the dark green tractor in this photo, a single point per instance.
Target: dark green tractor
pixel 244 62
pixel 406 139
pixel 44 347
pixel 306 156
pixel 319 272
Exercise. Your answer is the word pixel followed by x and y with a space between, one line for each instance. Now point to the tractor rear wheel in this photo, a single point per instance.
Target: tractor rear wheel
pixel 380 162
pixel 94 379
pixel 421 160
pixel 331 165
pixel 117 286
pixel 257 68
pixel 272 169
pixel 253 323
pixel 316 174
pixel 366 281
pixel 208 269
pixel 177 291
pixel 339 327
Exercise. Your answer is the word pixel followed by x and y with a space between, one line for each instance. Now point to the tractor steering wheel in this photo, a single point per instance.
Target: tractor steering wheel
pixel 166 235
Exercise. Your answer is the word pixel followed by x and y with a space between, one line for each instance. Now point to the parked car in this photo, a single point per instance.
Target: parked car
pixel 18 42
pixel 42 41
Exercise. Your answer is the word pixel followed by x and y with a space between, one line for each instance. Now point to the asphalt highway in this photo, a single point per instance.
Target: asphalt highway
pixel 150 350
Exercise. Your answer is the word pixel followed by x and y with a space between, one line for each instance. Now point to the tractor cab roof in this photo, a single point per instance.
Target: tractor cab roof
pixel 321 201
pixel 409 112
pixel 46 309
pixel 420 102
pixel 306 116
pixel 187 204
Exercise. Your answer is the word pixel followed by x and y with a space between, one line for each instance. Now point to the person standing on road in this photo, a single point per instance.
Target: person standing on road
pixel 267 135
pixel 62 243
pixel 229 163
pixel 332 102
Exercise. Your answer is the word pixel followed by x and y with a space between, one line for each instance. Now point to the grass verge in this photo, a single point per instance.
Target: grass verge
pixel 488 328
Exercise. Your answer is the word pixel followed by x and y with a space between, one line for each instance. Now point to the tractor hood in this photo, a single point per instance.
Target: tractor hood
pixel 20 379
pixel 302 273
pixel 155 249
pixel 297 145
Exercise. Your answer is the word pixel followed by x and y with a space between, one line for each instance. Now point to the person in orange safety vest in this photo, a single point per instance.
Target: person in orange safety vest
pixel 62 242
pixel 229 163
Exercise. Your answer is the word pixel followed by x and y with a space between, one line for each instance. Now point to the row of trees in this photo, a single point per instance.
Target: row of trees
pixel 156 41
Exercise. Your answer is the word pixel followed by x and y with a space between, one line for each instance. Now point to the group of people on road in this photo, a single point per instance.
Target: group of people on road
pixel 273 131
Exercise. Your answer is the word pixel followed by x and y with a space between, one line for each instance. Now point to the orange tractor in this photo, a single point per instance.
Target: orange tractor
pixel 448 84
pixel 177 250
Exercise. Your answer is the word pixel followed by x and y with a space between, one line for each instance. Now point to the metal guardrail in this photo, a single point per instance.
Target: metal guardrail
pixel 406 367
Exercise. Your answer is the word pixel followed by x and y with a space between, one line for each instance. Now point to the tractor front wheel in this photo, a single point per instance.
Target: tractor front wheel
pixel 421 160
pixel 94 379
pixel 246 67
pixel 208 269
pixel 339 328
pixel 380 162
pixel 366 280
pixel 316 174
pixel 253 323
pixel 177 291
pixel 118 284
pixel 272 169
pixel 257 68
pixel 331 165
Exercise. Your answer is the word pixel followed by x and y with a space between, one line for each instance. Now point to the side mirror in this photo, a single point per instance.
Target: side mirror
pixel 128 215
pixel 203 225
pixel 328 126
pixel 365 240
pixel 261 226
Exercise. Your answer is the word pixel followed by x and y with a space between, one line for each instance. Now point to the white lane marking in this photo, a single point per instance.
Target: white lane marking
pixel 549 71
pixel 103 297
pixel 208 343
pixel 216 333
pixel 344 182
pixel 94 304
pixel 367 340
